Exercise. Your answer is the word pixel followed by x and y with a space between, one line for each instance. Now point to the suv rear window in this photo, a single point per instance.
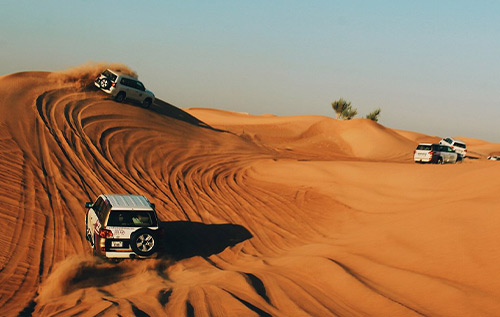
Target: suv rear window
pixel 459 145
pixel 127 218
pixel 110 75
pixel 424 147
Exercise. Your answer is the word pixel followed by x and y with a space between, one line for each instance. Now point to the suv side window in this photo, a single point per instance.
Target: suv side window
pixel 104 212
pixel 101 209
pixel 98 206
pixel 139 86
pixel 127 82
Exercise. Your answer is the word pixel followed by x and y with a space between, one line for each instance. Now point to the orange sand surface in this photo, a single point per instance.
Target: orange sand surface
pixel 263 215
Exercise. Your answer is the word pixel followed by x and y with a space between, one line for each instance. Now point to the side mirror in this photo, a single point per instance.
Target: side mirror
pixel 88 205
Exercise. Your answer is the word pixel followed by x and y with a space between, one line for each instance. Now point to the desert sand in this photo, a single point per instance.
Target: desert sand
pixel 263 215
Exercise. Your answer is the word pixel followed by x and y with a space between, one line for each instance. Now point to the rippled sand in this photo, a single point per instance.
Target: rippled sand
pixel 264 215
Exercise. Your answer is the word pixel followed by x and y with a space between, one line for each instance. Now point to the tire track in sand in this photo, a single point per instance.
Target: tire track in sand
pixel 86 145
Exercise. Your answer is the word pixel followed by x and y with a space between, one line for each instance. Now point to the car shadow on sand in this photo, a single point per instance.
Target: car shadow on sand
pixel 184 239
pixel 167 109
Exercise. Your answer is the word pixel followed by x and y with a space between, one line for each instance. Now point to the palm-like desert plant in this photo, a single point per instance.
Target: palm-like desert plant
pixel 343 109
pixel 374 115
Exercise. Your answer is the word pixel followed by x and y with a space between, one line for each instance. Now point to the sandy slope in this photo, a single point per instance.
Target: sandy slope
pixel 264 215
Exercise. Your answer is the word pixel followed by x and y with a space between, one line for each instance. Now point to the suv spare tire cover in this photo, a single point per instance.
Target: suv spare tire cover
pixel 144 242
pixel 105 83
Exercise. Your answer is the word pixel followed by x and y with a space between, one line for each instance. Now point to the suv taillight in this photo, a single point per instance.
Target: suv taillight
pixel 113 84
pixel 431 153
pixel 105 233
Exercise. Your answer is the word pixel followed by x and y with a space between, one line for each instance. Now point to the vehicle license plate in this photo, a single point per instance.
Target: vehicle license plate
pixel 117 244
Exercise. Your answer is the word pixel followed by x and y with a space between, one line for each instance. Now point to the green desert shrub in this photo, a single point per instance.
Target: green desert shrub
pixel 343 109
pixel 374 115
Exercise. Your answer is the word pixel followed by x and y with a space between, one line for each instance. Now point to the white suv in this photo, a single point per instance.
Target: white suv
pixel 457 145
pixel 122 226
pixel 435 153
pixel 122 86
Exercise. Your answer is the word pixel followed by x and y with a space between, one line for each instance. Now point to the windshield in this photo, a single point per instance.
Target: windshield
pixel 132 218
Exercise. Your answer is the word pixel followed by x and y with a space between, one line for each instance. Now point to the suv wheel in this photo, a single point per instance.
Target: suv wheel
pixel 440 161
pixel 120 97
pixel 144 242
pixel 147 102
pixel 105 83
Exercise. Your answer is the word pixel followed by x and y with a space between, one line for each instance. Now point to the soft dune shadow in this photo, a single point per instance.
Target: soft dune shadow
pixel 167 109
pixel 185 239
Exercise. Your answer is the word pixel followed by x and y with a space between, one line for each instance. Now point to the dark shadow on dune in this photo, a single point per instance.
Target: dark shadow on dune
pixel 185 239
pixel 164 108
pixel 28 310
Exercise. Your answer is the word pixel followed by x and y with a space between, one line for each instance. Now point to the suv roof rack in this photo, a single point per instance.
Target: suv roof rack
pixel 128 201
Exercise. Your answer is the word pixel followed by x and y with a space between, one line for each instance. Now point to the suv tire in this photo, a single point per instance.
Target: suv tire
pixel 120 97
pixel 440 161
pixel 144 242
pixel 147 102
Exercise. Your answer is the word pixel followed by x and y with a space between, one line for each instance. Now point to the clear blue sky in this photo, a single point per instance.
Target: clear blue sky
pixel 432 66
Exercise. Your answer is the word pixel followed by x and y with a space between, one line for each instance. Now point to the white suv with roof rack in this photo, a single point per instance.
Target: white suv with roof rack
pixel 457 145
pixel 122 226
pixel 122 86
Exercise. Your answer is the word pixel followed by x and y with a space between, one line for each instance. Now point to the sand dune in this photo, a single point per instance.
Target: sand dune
pixel 264 215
